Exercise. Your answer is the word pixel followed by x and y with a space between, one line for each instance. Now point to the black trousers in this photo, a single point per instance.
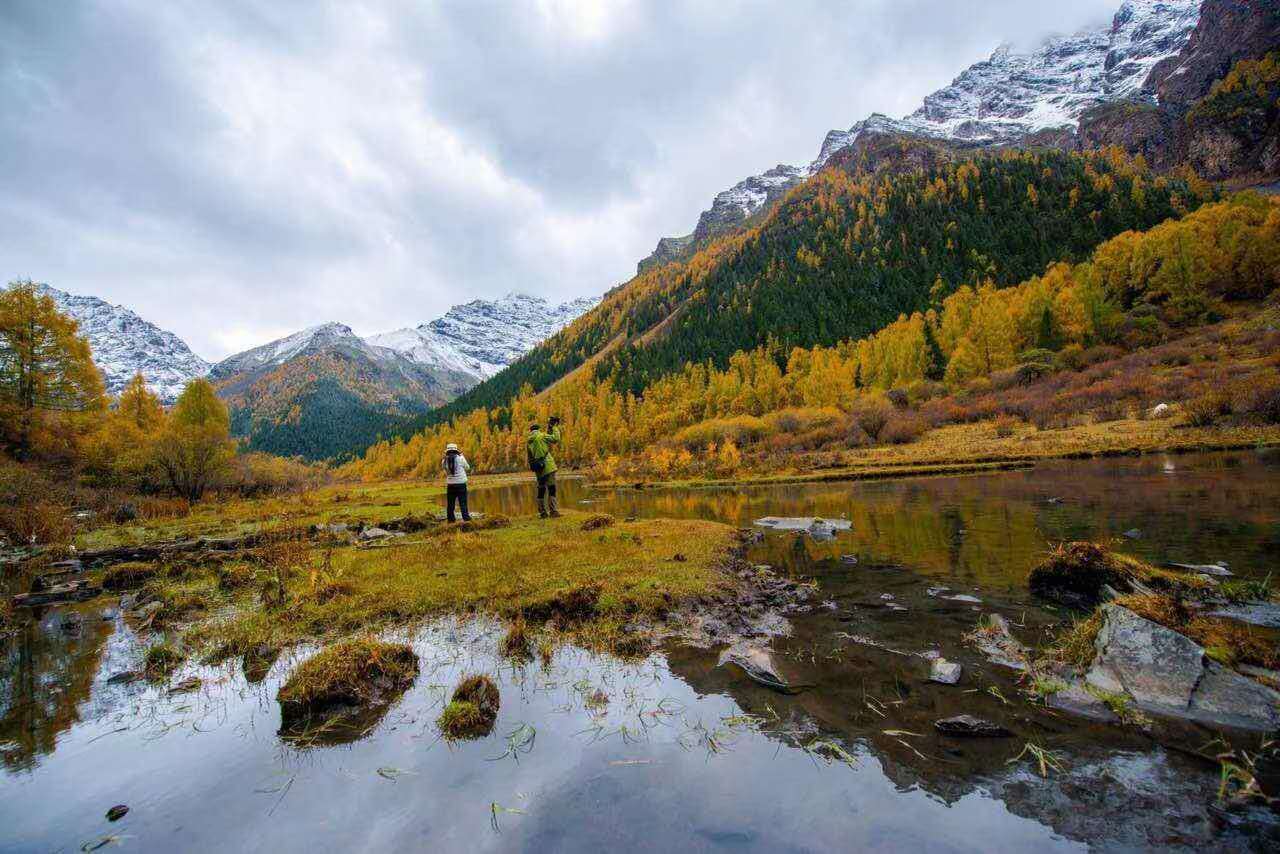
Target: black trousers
pixel 547 487
pixel 456 493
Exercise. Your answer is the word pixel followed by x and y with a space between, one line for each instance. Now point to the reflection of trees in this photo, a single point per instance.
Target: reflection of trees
pixel 989 530
pixel 47 675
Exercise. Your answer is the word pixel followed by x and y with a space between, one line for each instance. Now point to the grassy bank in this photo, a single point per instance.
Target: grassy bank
pixel 987 446
pixel 584 582
pixel 372 503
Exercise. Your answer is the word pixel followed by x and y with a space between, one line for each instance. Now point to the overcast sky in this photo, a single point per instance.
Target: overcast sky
pixel 236 170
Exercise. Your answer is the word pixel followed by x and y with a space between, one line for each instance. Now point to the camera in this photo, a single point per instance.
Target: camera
pixel 553 420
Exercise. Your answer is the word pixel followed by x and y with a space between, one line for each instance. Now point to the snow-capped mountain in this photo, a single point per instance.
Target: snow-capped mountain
pixel 123 344
pixel 309 341
pixel 482 337
pixel 999 100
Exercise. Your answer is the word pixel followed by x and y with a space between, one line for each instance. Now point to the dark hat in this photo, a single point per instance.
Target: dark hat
pixel 533 426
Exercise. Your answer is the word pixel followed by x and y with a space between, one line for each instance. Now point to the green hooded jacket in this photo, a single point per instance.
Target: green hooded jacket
pixel 539 446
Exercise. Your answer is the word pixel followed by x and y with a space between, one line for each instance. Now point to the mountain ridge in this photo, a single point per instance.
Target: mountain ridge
pixel 998 101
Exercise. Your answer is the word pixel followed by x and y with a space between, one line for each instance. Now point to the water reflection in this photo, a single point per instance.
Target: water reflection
pixel 46 673
pixel 990 530
pixel 676 752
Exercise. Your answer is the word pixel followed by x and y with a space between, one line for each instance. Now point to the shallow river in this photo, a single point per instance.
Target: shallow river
pixel 675 753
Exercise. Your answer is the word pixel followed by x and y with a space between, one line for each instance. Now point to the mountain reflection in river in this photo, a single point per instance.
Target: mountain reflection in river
pixel 674 753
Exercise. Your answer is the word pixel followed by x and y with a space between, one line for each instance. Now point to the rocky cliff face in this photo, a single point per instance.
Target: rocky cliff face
pixel 124 344
pixel 1221 134
pixel 1227 32
pixel 1003 100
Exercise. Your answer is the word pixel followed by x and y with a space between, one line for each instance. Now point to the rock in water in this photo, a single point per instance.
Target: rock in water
pixel 1167 673
pixel 758 663
pixel 967 726
pixel 945 672
pixel 1203 568
pixel 997 642
pixel 117 812
pixel 1266 614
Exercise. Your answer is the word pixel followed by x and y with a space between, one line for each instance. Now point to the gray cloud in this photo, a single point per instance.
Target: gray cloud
pixel 238 170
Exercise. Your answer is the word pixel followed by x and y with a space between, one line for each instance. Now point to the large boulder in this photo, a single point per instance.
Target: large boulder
pixel 1166 673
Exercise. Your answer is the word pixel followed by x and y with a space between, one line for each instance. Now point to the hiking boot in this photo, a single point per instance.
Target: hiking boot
pixel 555 514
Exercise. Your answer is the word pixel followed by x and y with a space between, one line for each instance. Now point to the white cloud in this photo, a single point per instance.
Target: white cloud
pixel 240 170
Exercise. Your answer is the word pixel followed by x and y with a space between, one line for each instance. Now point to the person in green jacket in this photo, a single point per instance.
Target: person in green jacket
pixel 543 464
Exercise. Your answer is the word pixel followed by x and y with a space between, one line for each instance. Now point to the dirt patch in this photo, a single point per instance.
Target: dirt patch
pixel 598 521
pixel 566 608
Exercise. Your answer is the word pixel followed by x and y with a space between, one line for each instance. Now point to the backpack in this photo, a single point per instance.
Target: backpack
pixel 536 464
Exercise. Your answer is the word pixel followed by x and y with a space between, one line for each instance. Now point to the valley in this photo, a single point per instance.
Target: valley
pixel 925 496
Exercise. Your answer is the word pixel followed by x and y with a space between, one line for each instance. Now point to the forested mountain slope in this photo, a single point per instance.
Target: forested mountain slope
pixel 895 223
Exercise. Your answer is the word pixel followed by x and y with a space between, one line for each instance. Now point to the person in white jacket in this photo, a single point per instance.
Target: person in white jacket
pixel 455 478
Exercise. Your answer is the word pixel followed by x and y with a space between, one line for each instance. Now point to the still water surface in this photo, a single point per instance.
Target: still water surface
pixel 674 753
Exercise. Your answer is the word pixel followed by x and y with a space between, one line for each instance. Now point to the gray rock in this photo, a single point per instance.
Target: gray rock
pixel 1166 673
pixel 1215 569
pixel 375 534
pixel 1133 534
pixel 1255 613
pixel 803 523
pixel 998 643
pixel 965 597
pixel 945 672
pixel 967 726
pixel 1075 700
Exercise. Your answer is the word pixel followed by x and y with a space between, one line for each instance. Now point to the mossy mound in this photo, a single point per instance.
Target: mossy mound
pixel 160 661
pixel 128 576
pixel 1075 574
pixel 354 673
pixel 472 710
pixel 516 644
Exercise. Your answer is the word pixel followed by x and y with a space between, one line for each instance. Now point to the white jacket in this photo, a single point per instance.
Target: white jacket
pixel 460 475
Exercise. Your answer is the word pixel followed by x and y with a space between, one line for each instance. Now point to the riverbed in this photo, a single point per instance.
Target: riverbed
pixel 673 752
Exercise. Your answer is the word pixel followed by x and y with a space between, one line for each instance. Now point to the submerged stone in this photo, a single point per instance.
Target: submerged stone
pixel 758 663
pixel 945 672
pixel 967 726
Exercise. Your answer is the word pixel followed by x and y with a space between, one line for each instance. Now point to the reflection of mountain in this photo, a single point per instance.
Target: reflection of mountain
pixel 46 676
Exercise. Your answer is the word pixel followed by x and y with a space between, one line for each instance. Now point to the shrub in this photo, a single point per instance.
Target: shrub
pixel 898 398
pixel 741 430
pixel 1258 401
pixel 256 474
pixel 1006 426
pixel 36 523
pixel 154 507
pixel 903 430
pixel 1205 410
pixel 872 418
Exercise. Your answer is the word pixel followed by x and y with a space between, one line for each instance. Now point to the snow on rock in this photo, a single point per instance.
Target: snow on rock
pixel 482 337
pixel 123 344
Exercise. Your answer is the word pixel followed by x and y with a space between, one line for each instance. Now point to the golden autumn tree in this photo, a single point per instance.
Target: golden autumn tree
pixel 195 448
pixel 47 375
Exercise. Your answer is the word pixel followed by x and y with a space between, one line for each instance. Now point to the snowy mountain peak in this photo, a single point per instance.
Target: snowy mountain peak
pixel 310 340
pixel 1001 99
pixel 123 344
pixel 482 337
